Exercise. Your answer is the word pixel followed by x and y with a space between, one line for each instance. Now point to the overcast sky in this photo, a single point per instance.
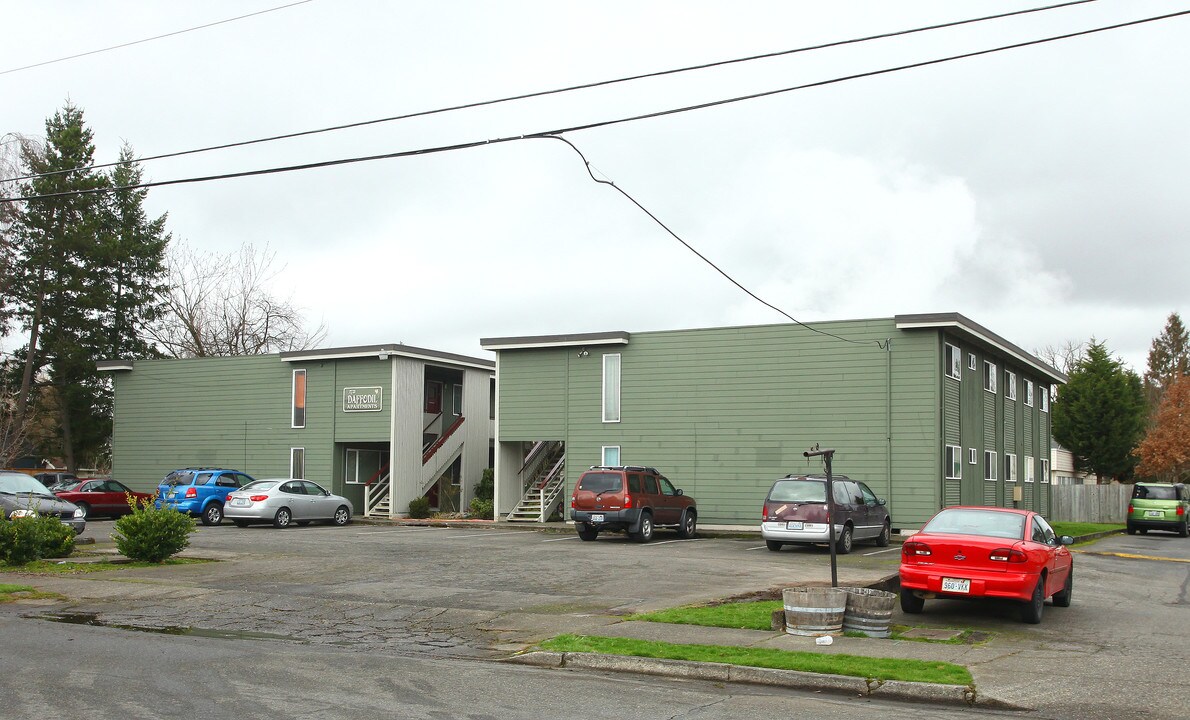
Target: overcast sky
pixel 1038 191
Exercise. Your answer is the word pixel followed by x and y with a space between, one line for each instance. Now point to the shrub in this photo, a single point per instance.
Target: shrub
pixel 486 489
pixel 482 508
pixel 152 534
pixel 419 508
pixel 26 539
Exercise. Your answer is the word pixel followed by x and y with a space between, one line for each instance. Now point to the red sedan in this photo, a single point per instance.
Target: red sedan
pixel 101 497
pixel 965 552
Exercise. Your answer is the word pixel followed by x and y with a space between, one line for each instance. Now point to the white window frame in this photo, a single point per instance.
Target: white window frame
pixel 972 456
pixel 989 465
pixel 1030 466
pixel 1044 392
pixel 294 452
pixel 612 371
pixel 972 363
pixel 603 456
pixel 953 357
pixel 1045 470
pixel 954 462
pixel 990 376
pixel 1010 385
pixel 293 398
pixel 1009 467
pixel 456 402
pixel 1029 393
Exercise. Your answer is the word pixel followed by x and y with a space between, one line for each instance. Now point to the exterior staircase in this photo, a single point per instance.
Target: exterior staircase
pixel 544 479
pixel 437 456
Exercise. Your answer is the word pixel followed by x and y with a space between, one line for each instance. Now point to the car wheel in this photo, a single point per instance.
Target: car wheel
pixel 586 533
pixel 1131 530
pixel 213 515
pixel 910 603
pixel 1031 611
pixel 240 523
pixel 885 534
pixel 773 545
pixel 645 533
pixel 1184 529
pixel 342 516
pixel 86 510
pixel 843 546
pixel 1062 597
pixel 688 525
pixel 282 518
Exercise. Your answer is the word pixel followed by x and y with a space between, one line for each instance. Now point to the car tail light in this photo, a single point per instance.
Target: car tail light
pixel 1009 555
pixel 627 501
pixel 228 498
pixel 191 492
pixel 258 498
pixel 1130 509
pixel 1181 510
pixel 764 512
pixel 571 502
pixel 916 549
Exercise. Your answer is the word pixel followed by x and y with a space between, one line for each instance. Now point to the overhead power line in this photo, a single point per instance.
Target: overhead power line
pixel 571 88
pixel 602 123
pixel 150 39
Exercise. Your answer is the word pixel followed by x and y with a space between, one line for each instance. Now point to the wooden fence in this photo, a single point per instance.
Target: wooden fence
pixel 1090 503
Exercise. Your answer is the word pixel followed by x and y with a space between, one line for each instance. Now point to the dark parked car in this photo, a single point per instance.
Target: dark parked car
pixel 50 479
pixel 795 512
pixel 200 491
pixel 22 495
pixel 630 499
pixel 1159 506
pixel 97 496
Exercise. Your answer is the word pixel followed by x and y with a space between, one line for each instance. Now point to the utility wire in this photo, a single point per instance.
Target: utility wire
pixel 600 124
pixel 572 88
pixel 156 37
pixel 702 257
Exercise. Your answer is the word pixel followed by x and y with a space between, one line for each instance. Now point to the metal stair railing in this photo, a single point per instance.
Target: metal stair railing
pixel 376 495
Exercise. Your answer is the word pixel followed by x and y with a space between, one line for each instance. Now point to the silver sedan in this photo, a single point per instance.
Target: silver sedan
pixel 285 501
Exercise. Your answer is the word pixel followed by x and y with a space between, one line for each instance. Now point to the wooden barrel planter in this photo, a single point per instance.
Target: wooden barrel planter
pixel 814 611
pixel 868 611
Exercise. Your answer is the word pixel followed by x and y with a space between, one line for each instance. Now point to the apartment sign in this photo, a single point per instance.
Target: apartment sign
pixel 362 399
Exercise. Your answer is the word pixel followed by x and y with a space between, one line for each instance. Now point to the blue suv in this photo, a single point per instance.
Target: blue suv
pixel 200 491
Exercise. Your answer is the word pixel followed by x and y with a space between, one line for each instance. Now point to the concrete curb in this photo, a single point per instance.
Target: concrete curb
pixel 792 679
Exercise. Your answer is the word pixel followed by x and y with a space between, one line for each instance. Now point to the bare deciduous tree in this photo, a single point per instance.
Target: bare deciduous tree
pixel 222 305
pixel 1063 358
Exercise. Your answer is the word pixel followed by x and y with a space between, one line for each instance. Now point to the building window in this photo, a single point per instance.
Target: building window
pixel 611 388
pixel 989 377
pixel 611 455
pixel 972 456
pixel 297 463
pixel 954 358
pixel 954 462
pixel 1045 470
pixel 971 363
pixel 989 465
pixel 299 399
pixel 1010 385
pixel 1044 392
pixel 1029 393
pixel 1029 464
pixel 458 400
pixel 1009 467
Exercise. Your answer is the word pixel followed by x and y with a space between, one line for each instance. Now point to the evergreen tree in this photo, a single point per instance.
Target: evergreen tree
pixel 1169 359
pixel 1101 415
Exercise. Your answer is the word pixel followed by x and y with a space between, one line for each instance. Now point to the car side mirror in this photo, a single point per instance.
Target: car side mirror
pixel 880 501
pixel 1066 540
pixel 677 491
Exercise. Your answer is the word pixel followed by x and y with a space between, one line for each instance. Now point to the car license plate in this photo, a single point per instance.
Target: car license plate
pixel 793 525
pixel 239 502
pixel 956 585
pixel 596 518
pixel 1154 513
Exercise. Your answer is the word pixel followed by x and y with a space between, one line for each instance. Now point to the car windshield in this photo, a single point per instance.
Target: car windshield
pixel 20 483
pixel 798 491
pixel 600 482
pixel 1154 492
pixel 1008 525
pixel 261 485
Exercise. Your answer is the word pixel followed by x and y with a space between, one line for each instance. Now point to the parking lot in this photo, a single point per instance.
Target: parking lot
pixel 484 593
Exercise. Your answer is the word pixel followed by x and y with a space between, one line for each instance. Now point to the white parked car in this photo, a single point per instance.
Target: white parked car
pixel 285 501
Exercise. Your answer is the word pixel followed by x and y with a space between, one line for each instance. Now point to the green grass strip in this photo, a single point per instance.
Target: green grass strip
pixel 67 567
pixel 1077 529
pixel 850 665
pixel 754 615
pixel 8 588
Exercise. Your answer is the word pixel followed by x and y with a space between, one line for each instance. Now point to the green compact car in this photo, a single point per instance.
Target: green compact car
pixel 1159 506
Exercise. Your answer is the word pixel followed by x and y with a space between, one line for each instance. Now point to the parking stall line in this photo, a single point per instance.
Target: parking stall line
pixel 758 547
pixel 667 542
pixel 877 552
pixel 572 537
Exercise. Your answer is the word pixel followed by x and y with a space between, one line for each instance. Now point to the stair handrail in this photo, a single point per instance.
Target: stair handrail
pixel 377 476
pixel 425 457
pixel 537 448
pixel 554 492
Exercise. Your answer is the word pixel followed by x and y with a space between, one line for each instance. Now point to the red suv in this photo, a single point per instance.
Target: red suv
pixel 630 499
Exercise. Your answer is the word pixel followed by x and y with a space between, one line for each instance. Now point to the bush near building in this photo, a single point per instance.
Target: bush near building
pixel 27 539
